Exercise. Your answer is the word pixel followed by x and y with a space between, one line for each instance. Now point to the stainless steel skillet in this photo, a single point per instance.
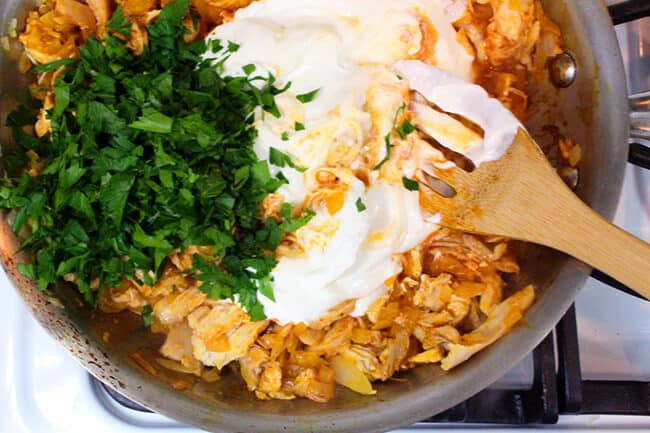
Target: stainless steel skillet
pixel 593 111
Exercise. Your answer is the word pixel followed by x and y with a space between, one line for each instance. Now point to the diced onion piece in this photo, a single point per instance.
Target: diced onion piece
pixel 428 357
pixel 348 375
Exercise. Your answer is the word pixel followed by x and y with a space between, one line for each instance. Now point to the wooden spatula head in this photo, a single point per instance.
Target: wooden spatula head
pixel 521 196
pixel 493 198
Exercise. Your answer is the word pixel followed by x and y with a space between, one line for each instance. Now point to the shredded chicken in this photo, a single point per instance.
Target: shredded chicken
pixel 500 320
pixel 446 306
pixel 44 42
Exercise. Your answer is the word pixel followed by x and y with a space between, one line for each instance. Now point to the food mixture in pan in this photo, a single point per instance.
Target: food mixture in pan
pixel 251 177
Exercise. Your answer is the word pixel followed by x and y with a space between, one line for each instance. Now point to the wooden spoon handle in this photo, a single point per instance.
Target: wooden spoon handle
pixel 579 231
pixel 613 251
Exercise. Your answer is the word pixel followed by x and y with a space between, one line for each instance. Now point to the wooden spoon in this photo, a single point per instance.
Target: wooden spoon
pixel 521 196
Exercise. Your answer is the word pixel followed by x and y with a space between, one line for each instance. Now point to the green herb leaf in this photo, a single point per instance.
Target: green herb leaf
pixel 53 66
pixel 170 17
pixel 405 129
pixel 410 184
pixel 361 206
pixel 61 98
pixel 147 315
pixel 141 239
pixel 119 23
pixel 281 159
pixel 299 126
pixel 27 270
pixel 81 204
pixel 270 236
pixel 389 145
pixel 249 69
pixel 308 97
pixel 388 138
pixel 291 224
pixel 153 121
pixel 113 192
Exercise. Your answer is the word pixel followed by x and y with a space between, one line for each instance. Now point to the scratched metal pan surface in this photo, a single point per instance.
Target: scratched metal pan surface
pixel 593 110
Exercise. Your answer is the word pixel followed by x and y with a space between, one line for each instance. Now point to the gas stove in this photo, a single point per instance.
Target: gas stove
pixel 592 373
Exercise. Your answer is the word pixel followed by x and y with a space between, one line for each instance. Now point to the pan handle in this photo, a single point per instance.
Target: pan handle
pixel 629 10
pixel 639 155
pixel 640 129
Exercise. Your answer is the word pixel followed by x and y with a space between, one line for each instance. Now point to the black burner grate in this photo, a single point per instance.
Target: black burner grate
pixel 629 10
pixel 555 391
pixel 553 394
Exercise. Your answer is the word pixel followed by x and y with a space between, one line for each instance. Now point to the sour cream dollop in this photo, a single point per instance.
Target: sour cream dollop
pixel 454 95
pixel 347 50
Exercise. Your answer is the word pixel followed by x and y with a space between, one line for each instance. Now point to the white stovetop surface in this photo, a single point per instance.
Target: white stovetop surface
pixel 44 390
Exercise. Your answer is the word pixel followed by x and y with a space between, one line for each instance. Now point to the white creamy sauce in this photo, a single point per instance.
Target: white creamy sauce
pixel 347 50
pixel 454 9
pixel 356 261
pixel 453 95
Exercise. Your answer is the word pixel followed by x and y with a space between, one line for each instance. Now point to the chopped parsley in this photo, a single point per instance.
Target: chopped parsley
pixel 153 121
pixel 281 159
pixel 285 136
pixel 149 154
pixel 147 315
pixel 53 66
pixel 308 97
pixel 249 69
pixel 299 126
pixel 282 177
pixel 405 129
pixel 388 138
pixel 410 184
pixel 119 23
pixel 291 224
pixel 361 206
